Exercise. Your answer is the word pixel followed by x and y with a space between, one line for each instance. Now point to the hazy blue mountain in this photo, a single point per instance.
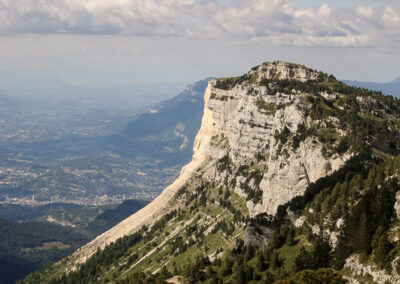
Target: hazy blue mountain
pixel 166 132
pixel 44 91
pixel 111 217
pixel 396 81
pixel 391 88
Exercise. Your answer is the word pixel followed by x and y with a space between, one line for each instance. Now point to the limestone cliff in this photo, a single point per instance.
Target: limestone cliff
pixel 248 119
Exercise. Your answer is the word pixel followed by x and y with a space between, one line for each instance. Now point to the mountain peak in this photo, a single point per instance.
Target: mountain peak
pixel 274 71
pixel 282 70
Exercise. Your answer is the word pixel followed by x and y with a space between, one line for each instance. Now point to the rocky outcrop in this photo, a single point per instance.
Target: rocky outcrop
pixel 258 236
pixel 397 205
pixel 379 276
pixel 254 208
pixel 288 177
pixel 283 70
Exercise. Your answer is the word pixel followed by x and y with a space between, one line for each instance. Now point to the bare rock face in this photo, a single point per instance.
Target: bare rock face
pixel 283 70
pixel 259 236
pixel 358 269
pixel 288 177
pixel 254 209
pixel 248 117
pixel 397 205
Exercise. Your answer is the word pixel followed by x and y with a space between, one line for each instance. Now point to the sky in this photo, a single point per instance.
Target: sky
pixel 144 41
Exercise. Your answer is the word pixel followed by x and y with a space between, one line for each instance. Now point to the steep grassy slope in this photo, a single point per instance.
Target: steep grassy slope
pixel 211 220
pixel 264 199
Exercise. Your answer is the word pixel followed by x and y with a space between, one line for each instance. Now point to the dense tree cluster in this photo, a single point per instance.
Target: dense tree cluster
pixel 253 193
pixel 320 276
pixel 365 205
pixel 229 83
pixel 247 263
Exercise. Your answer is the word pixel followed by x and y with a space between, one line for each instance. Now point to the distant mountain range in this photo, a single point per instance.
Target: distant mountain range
pixel 166 132
pixel 112 217
pixel 391 88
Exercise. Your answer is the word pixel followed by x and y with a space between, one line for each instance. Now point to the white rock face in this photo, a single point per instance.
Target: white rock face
pixel 284 70
pixel 300 221
pixel 250 129
pixel 288 177
pixel 379 276
pixel 397 205
pixel 254 209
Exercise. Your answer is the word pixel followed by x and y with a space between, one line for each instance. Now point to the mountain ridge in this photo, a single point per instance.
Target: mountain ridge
pixel 269 143
pixel 391 88
pixel 396 80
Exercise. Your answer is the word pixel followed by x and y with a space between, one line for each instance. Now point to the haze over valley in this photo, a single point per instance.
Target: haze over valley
pixel 55 143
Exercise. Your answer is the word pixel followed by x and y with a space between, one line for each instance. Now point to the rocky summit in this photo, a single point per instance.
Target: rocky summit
pixel 290 168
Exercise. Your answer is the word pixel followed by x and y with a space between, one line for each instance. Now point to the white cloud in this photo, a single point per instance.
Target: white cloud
pixel 365 12
pixel 275 21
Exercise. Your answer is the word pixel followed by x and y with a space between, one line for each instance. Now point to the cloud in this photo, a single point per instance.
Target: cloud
pixel 275 21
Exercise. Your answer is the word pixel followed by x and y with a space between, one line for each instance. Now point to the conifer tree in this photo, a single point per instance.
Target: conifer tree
pixel 275 241
pixel 274 261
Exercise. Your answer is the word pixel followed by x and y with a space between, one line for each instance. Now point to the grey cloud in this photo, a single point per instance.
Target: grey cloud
pixel 275 21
